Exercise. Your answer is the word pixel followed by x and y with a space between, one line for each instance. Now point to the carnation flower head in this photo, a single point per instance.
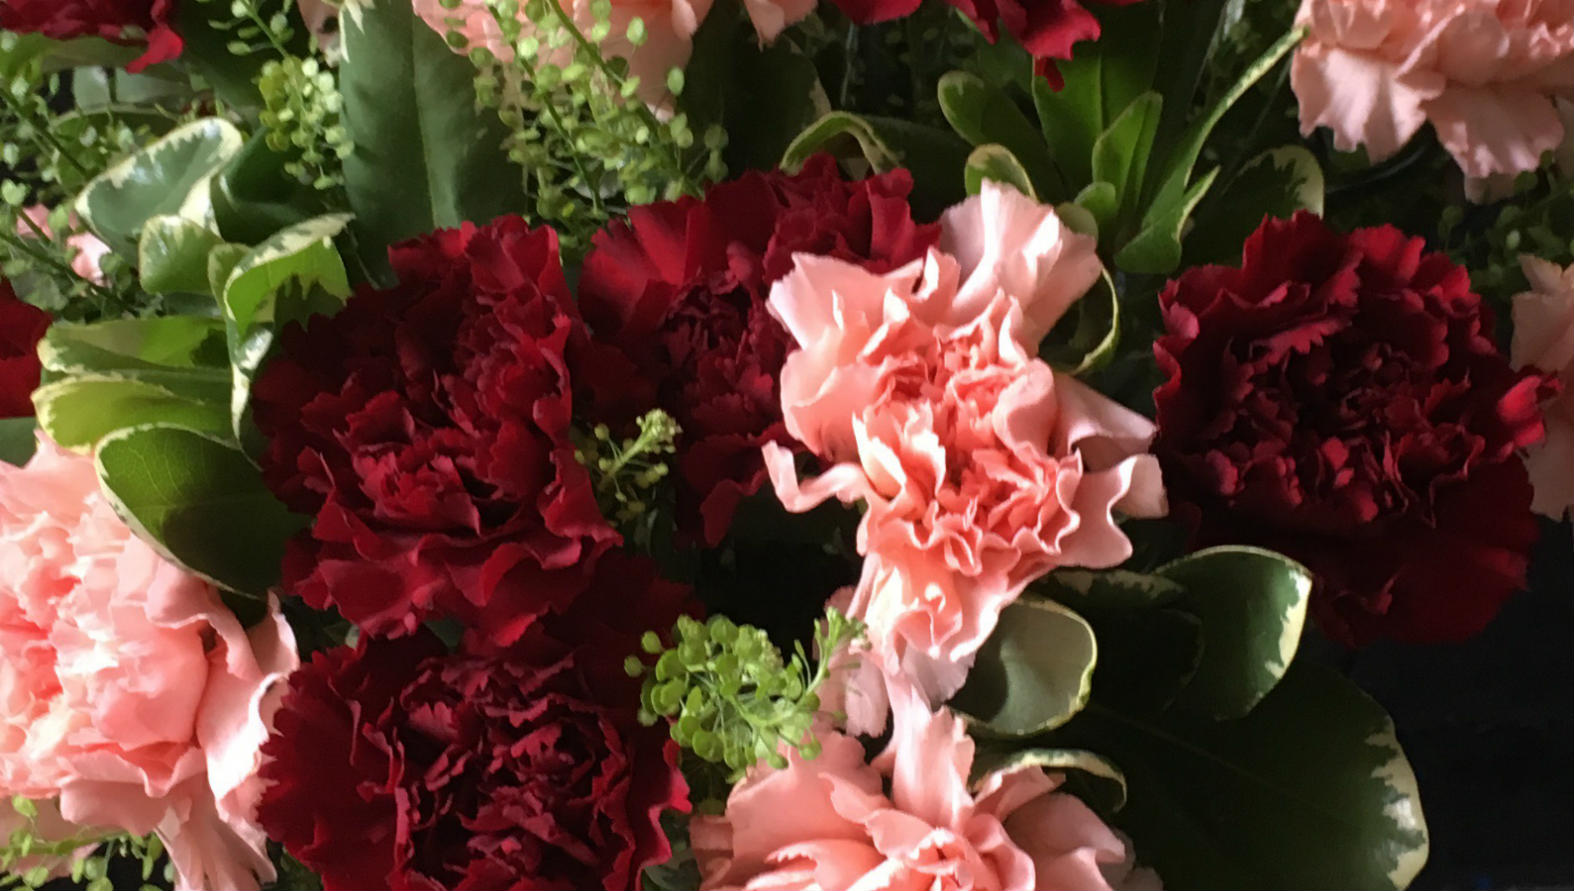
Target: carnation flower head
pixel 133 695
pixel 131 22
pixel 1339 398
pixel 22 326
pixel 1544 340
pixel 981 467
pixel 676 298
pixel 910 819
pixel 396 764
pixel 426 428
pixel 1485 74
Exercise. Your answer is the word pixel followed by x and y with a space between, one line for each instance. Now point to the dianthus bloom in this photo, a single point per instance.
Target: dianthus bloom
pixel 1339 398
pixel 396 764
pixel 131 693
pixel 1544 339
pixel 426 427
pixel 909 820
pixel 1047 29
pixel 678 294
pixel 981 467
pixel 87 250
pixel 22 326
pixel 1484 73
pixel 131 22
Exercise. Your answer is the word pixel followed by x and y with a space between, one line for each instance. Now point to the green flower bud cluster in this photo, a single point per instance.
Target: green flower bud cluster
pixel 301 116
pixel 628 474
pixel 730 697
pixel 587 144
pixel 1539 221
pixel 90 872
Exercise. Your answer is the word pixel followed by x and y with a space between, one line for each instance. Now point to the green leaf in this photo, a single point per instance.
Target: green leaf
pixel 995 162
pixel 1310 790
pixel 291 275
pixel 1128 47
pixel 1156 249
pixel 936 158
pixel 1276 183
pixel 1185 44
pixel 983 115
pixel 1072 118
pixel 168 176
pixel 1114 588
pixel 167 346
pixel 1090 777
pixel 1085 339
pixel 173 255
pixel 222 260
pixel 1252 604
pixel 18 440
pixel 253 197
pixel 200 501
pixel 425 157
pixel 1101 201
pixel 83 409
pixel 1033 673
pixel 1120 155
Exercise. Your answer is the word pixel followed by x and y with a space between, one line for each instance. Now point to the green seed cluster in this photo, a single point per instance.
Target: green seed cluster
pixel 301 116
pixel 587 145
pixel 91 871
pixel 1538 222
pixel 729 696
pixel 253 26
pixel 628 474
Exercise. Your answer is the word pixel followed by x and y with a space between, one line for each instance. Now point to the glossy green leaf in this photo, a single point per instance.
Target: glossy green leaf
pixel 172 255
pixel 81 410
pixel 1310 790
pixel 1115 588
pixel 170 346
pixel 253 197
pixel 1033 673
pixel 425 157
pixel 1252 605
pixel 1120 154
pixel 1156 250
pixel 18 440
pixel 1090 777
pixel 1185 44
pixel 985 115
pixel 1078 219
pixel 995 162
pixel 200 501
pixel 1128 47
pixel 1072 117
pixel 222 260
pixel 296 272
pixel 167 176
pixel 1101 201
pixel 936 158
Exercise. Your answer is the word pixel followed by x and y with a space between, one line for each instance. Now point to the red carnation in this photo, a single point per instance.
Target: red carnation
pixel 114 20
pixel 678 292
pixel 1339 398
pixel 22 326
pixel 1045 28
pixel 395 764
pixel 426 427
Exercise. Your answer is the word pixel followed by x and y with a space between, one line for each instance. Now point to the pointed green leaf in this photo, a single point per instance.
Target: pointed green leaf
pixel 1072 117
pixel 983 115
pixel 1102 201
pixel 1033 673
pixel 167 176
pixel 1156 249
pixel 995 162
pixel 1252 604
pixel 173 255
pixel 1276 183
pixel 80 411
pixel 200 502
pixel 425 157
pixel 1120 155
pixel 1310 790
pixel 170 347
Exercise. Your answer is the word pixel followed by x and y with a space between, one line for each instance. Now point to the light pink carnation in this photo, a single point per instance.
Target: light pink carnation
pixel 982 467
pixel 129 691
pixel 669 33
pixel 910 820
pixel 1544 339
pixel 1484 73
pixel 88 250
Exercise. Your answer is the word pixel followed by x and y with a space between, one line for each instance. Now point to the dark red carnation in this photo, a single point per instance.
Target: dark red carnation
pixel 395 764
pixel 1339 398
pixel 678 293
pixel 1047 29
pixel 22 326
pixel 426 428
pixel 130 22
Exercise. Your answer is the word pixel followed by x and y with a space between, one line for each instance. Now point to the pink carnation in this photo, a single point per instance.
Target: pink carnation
pixel 1544 339
pixel 910 820
pixel 87 250
pixel 1484 73
pixel 129 692
pixel 982 467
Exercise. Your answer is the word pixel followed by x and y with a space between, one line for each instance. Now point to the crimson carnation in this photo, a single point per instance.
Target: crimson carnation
pixel 1047 29
pixel 22 326
pixel 426 428
pixel 678 295
pixel 1339 398
pixel 114 20
pixel 395 764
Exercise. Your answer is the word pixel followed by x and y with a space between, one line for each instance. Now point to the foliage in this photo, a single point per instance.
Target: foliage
pixel 85 857
pixel 627 474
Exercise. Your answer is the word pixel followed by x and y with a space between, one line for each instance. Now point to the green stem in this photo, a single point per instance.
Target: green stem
pixel 42 134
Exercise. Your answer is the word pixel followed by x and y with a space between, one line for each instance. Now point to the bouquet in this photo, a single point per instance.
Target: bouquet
pixel 474 444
